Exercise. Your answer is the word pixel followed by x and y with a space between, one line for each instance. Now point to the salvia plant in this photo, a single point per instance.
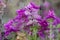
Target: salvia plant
pixel 29 24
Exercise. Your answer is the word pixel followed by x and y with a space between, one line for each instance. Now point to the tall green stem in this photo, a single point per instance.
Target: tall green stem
pixel 35 34
pixel 51 31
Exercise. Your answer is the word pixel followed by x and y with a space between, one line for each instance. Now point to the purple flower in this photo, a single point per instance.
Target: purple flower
pixel 42 32
pixel 32 5
pixel 33 16
pixel 25 17
pixel 7 25
pixel 43 27
pixel 56 21
pixel 51 14
pixel 43 23
pixel 35 6
pixel 15 24
pixel 20 11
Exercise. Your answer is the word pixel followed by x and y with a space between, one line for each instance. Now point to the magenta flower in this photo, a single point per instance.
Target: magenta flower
pixel 43 28
pixel 28 17
pixel 41 35
pixel 50 15
pixel 32 5
pixel 25 17
pixel 56 21
pixel 20 12
pixel 43 23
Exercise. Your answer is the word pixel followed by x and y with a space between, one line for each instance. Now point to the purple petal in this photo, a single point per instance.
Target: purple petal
pixel 51 14
pixel 35 6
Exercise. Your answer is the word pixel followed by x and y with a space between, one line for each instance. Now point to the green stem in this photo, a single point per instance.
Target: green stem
pixel 50 32
pixel 35 33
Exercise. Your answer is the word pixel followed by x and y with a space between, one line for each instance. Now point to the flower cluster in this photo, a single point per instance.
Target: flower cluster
pixel 28 17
